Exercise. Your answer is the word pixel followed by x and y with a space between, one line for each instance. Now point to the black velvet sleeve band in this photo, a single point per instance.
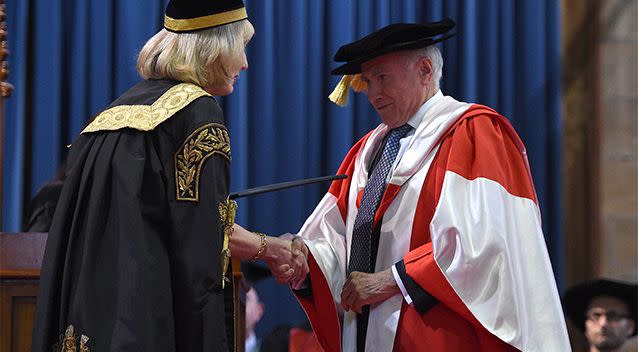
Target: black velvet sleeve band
pixel 306 291
pixel 421 299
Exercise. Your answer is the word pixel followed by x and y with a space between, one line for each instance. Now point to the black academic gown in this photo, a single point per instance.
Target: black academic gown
pixel 133 255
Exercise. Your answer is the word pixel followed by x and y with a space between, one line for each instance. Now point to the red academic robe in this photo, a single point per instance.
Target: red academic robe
pixel 460 221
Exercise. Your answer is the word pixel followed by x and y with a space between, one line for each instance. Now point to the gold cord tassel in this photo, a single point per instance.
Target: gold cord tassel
pixel 339 95
pixel 227 212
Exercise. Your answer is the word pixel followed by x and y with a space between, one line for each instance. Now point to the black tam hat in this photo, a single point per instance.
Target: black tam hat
pixel 194 15
pixel 577 298
pixel 395 37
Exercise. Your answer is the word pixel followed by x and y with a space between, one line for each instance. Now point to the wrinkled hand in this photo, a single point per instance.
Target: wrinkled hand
pixel 362 289
pixel 297 246
pixel 286 261
pixel 299 250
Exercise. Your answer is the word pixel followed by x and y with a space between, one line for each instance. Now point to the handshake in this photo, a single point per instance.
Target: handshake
pixel 286 255
pixel 287 258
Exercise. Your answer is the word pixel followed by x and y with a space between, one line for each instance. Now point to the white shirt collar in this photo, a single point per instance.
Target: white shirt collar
pixel 416 120
pixel 251 342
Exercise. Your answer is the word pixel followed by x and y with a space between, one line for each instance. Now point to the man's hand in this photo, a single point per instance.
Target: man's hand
pixel 287 263
pixel 298 246
pixel 299 251
pixel 363 289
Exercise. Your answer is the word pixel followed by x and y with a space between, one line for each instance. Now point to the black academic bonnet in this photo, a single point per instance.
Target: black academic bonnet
pixel 395 37
pixel 577 298
pixel 193 15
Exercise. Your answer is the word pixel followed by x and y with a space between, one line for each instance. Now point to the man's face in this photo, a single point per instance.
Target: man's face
pixel 396 85
pixel 607 325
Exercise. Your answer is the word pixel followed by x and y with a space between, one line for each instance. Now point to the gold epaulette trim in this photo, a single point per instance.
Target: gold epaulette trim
pixel 146 117
pixel 204 142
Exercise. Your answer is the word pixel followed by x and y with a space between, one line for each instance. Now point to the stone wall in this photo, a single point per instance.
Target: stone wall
pixel 600 142
pixel 619 142
pixel 619 139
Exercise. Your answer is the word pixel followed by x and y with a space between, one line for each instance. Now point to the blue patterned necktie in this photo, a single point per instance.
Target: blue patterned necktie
pixel 361 249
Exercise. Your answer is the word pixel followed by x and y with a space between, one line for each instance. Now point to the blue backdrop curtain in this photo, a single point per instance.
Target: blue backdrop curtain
pixel 70 58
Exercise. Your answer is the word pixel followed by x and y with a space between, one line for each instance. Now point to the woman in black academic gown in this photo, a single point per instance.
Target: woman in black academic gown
pixel 134 258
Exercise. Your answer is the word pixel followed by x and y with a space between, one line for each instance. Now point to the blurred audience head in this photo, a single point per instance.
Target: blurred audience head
pixel 605 311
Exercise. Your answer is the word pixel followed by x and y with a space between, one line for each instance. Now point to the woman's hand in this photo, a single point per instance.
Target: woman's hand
pixel 286 256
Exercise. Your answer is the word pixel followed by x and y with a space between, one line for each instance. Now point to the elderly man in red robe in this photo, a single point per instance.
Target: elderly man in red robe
pixel 434 241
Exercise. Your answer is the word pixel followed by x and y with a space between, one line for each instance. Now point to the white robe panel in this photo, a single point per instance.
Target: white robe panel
pixel 489 245
pixel 323 234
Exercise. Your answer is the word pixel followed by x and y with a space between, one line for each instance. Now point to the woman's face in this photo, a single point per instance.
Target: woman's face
pixel 235 66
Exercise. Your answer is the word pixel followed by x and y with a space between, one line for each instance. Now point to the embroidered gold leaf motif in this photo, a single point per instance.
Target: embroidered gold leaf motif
pixel 204 142
pixel 83 341
pixel 146 117
pixel 69 343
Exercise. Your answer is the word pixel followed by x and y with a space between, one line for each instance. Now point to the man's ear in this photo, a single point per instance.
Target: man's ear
pixel 426 70
pixel 631 325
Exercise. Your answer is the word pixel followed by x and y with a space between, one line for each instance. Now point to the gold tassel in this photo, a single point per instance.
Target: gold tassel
pixel 339 95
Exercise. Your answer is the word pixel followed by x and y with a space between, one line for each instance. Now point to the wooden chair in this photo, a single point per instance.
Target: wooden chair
pixel 20 261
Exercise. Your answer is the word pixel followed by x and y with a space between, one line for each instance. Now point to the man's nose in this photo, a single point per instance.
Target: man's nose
pixel 374 93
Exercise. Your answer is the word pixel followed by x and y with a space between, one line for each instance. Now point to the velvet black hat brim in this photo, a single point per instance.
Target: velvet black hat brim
pixel 577 299
pixel 395 37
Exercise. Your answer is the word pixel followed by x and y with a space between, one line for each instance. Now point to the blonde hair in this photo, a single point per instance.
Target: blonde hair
pixel 200 57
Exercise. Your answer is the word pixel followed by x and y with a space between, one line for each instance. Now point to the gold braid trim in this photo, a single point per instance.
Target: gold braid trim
pixel 217 19
pixel 146 117
pixel 227 212
pixel 69 344
pixel 205 141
